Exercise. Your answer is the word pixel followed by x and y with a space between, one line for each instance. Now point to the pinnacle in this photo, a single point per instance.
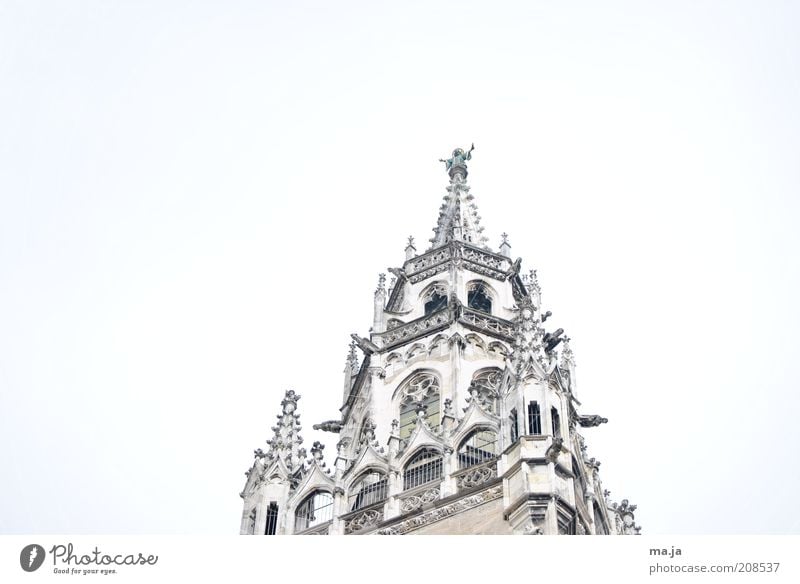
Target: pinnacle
pixel 458 216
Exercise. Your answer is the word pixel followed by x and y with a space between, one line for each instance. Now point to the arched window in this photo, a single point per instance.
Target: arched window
pixel 435 299
pixel 368 490
pixel 478 297
pixel 315 509
pixel 479 447
pixel 487 383
pixel 424 467
pixel 422 387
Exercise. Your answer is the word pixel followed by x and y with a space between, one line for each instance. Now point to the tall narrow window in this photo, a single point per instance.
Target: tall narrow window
pixel 534 419
pixel 514 421
pixel 556 422
pixel 315 509
pixel 272 519
pixel 424 467
pixel 479 447
pixel 478 297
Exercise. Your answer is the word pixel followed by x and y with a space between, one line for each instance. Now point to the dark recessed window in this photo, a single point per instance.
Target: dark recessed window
pixel 478 298
pixel 514 425
pixel 534 419
pixel 272 519
pixel 436 301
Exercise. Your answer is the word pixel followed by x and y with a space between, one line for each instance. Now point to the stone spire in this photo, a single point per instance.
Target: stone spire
pixel 286 441
pixel 458 215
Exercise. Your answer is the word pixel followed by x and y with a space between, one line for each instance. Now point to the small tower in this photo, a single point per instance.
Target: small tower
pixel 461 416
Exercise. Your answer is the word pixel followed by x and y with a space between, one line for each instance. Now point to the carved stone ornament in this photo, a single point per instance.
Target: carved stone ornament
pixel 443 512
pixel 476 476
pixel 363 521
pixel 414 502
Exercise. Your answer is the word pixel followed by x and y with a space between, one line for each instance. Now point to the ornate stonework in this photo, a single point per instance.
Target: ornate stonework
pixel 460 417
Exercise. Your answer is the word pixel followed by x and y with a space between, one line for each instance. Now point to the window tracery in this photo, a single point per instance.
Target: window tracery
pixel 421 387
pixel 487 385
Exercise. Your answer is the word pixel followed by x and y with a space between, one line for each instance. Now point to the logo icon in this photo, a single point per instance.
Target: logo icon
pixel 31 557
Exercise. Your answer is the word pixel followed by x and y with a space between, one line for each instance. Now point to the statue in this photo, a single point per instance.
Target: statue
pixel 457 164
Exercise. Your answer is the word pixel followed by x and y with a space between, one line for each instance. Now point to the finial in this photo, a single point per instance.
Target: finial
pixel 381 284
pixel 316 450
pixel 505 238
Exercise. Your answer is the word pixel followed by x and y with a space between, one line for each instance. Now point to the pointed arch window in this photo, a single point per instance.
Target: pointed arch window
pixel 424 467
pixel 478 297
pixel 421 387
pixel 435 299
pixel 315 509
pixel 479 447
pixel 367 490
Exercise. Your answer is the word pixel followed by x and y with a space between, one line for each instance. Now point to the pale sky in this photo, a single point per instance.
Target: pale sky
pixel 196 200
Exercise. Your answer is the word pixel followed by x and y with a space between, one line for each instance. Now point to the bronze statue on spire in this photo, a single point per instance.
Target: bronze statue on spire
pixel 457 163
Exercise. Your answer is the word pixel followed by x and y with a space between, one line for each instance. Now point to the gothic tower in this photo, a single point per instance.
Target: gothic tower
pixel 460 417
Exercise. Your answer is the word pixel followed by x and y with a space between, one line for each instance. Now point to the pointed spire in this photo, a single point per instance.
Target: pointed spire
pixel 458 216
pixel 286 441
pixel 411 251
pixel 528 339
pixel 505 247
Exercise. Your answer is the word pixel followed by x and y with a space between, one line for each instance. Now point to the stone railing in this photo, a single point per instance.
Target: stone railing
pixel 423 262
pixel 486 263
pixel 414 329
pixel 474 476
pixel 486 323
pixel 477 260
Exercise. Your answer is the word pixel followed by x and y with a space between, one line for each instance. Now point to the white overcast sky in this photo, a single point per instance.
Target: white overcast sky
pixel 196 199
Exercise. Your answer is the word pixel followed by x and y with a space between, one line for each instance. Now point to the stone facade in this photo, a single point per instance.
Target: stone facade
pixel 459 417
